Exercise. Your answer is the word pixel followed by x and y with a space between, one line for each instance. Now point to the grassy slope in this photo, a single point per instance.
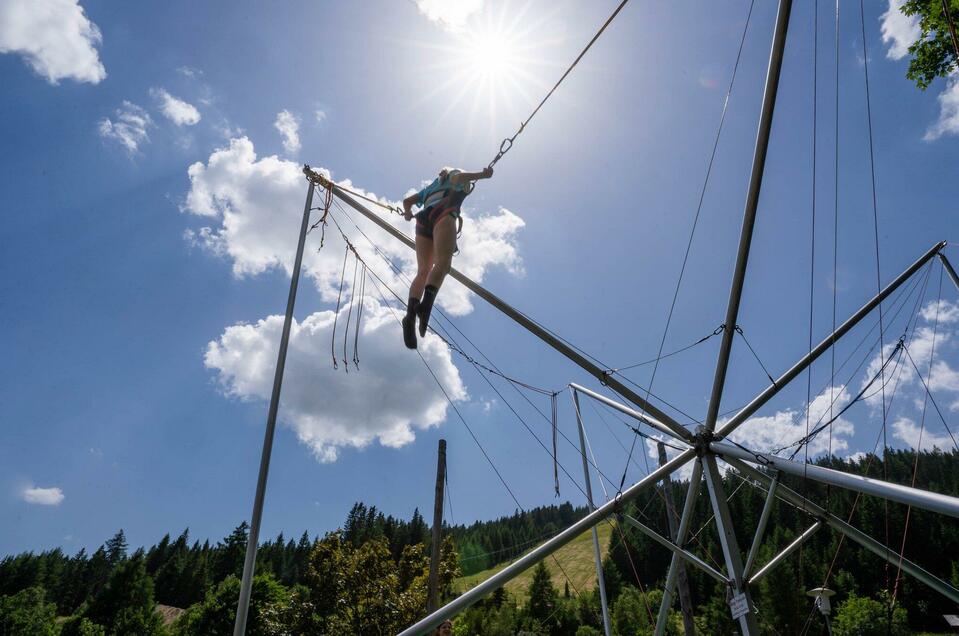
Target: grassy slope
pixel 576 558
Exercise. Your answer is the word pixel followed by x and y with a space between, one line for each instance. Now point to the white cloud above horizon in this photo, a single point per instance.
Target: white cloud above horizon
pixel 898 31
pixel 130 127
pixel 948 121
pixel 288 125
pixel 42 496
pixel 255 206
pixel 176 110
pixel 387 399
pixel 54 37
pixel 451 14
pixel 906 430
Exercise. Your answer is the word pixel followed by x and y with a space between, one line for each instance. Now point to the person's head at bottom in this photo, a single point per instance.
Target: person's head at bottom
pixel 445 628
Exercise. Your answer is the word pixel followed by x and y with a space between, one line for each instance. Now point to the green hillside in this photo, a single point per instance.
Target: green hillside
pixel 576 558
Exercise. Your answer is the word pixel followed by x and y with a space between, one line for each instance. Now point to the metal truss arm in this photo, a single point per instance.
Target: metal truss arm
pixel 949 269
pixel 625 410
pixel 823 346
pixel 761 527
pixel 675 549
pixel 943 504
pixel 539 553
pixel 789 549
pixel 520 318
pixel 883 552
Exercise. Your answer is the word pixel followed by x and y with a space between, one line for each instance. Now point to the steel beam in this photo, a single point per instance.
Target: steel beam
pixel 625 410
pixel 674 564
pixel 949 269
pixel 600 579
pixel 943 504
pixel 544 550
pixel 761 527
pixel 249 562
pixel 749 214
pixel 675 549
pixel 787 377
pixel 854 534
pixel 519 317
pixel 727 539
pixel 789 549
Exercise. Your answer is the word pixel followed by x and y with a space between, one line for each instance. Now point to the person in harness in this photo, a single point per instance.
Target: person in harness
pixel 436 229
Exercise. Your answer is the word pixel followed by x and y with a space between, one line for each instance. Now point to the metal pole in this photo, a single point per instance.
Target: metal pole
pixel 727 539
pixel 675 549
pixel 761 528
pixel 246 585
pixel 789 549
pixel 544 550
pixel 943 504
pixel 625 410
pixel 685 600
pixel 601 580
pixel 949 269
pixel 684 522
pixel 801 503
pixel 752 202
pixel 823 346
pixel 435 555
pixel 520 318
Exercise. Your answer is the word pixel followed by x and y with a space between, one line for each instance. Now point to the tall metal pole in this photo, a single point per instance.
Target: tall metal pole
pixel 435 555
pixel 246 585
pixel 727 539
pixel 685 600
pixel 752 202
pixel 684 522
pixel 601 580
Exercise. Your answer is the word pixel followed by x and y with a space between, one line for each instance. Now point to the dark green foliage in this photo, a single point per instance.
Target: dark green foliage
pixel 125 606
pixel 861 616
pixel 27 613
pixel 371 577
pixel 269 601
pixel 933 54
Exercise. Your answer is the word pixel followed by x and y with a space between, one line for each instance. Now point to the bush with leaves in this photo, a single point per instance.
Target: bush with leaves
pixel 862 616
pixel 27 612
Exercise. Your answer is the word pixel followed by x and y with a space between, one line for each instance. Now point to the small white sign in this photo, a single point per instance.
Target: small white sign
pixel 738 605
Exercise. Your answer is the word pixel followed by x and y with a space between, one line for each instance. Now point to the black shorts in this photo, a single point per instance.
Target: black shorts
pixel 427 218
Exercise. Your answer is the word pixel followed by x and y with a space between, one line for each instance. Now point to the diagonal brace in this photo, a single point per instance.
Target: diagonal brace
pixel 789 549
pixel 675 549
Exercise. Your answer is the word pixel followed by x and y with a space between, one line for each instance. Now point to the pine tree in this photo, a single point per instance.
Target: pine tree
pixel 116 549
pixel 126 605
pixel 542 595
pixel 230 554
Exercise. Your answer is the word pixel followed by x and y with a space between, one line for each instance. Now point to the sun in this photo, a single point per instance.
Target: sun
pixel 490 54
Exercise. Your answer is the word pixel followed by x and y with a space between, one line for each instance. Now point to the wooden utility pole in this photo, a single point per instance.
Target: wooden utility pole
pixel 432 590
pixel 685 602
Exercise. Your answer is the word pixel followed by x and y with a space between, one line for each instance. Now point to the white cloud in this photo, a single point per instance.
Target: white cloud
pixel 42 496
pixel 898 31
pixel 943 377
pixel 785 427
pixel 189 71
pixel 289 126
pixel 130 127
pixel 948 312
pixel 948 122
pixel 907 431
pixel 320 115
pixel 856 457
pixel 255 206
pixel 387 399
pixel 176 110
pixel 452 14
pixel 54 37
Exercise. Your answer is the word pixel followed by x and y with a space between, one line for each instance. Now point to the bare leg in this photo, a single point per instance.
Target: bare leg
pixel 424 262
pixel 444 242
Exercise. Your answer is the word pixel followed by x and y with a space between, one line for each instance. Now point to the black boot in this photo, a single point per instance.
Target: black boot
pixel 426 307
pixel 409 323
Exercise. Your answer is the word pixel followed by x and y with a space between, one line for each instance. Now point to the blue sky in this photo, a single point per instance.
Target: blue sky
pixel 152 199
